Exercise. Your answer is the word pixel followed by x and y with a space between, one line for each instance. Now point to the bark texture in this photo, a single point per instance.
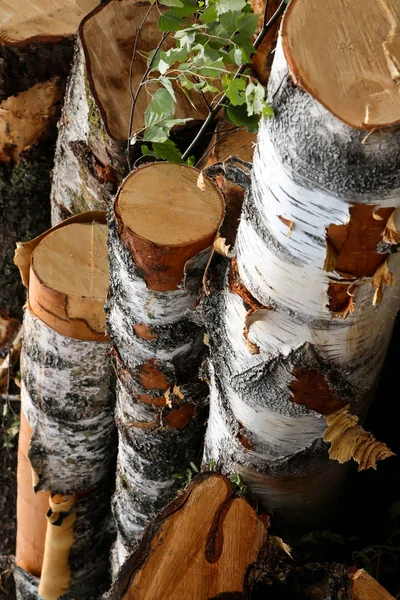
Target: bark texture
pixel 67 400
pixel 161 404
pixel 25 179
pixel 89 164
pixel 307 312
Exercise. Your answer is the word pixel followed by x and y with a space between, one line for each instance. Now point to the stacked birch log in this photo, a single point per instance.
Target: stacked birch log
pixel 67 447
pixel 161 230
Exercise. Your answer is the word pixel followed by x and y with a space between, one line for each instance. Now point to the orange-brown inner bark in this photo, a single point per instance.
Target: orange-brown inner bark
pixel 311 389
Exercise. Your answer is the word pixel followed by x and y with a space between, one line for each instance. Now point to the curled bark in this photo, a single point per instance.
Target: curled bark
pixel 157 345
pixel 67 402
pixel 313 171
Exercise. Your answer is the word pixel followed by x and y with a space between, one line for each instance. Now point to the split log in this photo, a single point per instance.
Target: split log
pixel 307 312
pixel 91 158
pixel 159 238
pixel 200 547
pixel 67 444
pixel 36 49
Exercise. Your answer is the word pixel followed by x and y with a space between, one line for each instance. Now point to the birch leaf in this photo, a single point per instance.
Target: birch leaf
pixel 390 234
pixel 350 441
pixel 382 278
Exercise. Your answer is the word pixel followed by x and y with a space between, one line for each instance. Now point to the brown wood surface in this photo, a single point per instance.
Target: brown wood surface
pixel 346 54
pixel 23 21
pixel 165 219
pixel 108 38
pixel 31 510
pixel 200 546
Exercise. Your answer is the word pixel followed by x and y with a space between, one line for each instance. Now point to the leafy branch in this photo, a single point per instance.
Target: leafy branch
pixel 211 60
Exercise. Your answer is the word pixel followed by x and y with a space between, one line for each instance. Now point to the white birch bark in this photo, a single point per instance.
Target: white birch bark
pixel 152 447
pixel 309 168
pixel 88 164
pixel 67 399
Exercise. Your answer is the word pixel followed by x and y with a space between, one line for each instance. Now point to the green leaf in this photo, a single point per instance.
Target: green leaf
pixel 171 21
pixel 224 6
pixel 210 15
pixel 159 132
pixel 168 85
pixel 236 91
pixel 168 151
pixel 186 38
pixel 247 23
pixel 239 116
pixel 238 56
pixel 161 106
pixel 255 97
pixel 177 3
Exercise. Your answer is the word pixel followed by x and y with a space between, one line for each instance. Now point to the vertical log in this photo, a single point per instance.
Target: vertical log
pixel 160 232
pixel 67 408
pixel 307 312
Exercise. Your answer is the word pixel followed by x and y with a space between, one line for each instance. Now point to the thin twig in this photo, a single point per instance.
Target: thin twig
pixel 218 106
pixel 138 32
pixel 160 43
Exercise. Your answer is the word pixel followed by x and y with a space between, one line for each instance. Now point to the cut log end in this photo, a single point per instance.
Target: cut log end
pixel 166 219
pixel 352 71
pixel 188 550
pixel 41 20
pixel 69 280
pixel 108 36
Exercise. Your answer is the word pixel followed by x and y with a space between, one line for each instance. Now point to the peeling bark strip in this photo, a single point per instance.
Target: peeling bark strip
pixel 91 159
pixel 67 402
pixel 159 239
pixel 199 547
pixel 329 181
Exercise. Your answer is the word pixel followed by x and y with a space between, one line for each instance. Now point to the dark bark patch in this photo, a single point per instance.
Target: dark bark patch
pixel 311 389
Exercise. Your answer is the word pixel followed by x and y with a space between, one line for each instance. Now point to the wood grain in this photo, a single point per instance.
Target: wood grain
pixel 199 547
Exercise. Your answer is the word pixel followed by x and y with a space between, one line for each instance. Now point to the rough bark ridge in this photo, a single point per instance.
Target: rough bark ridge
pixel 158 349
pixel 161 403
pixel 67 401
pixel 323 200
pixel 26 157
pixel 89 164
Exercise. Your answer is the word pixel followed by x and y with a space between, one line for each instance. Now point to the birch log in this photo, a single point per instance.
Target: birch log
pixel 67 446
pixel 159 237
pixel 91 156
pixel 307 312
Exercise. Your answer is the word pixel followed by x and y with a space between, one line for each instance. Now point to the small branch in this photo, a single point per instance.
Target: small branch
pixel 135 98
pixel 267 26
pixel 146 16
